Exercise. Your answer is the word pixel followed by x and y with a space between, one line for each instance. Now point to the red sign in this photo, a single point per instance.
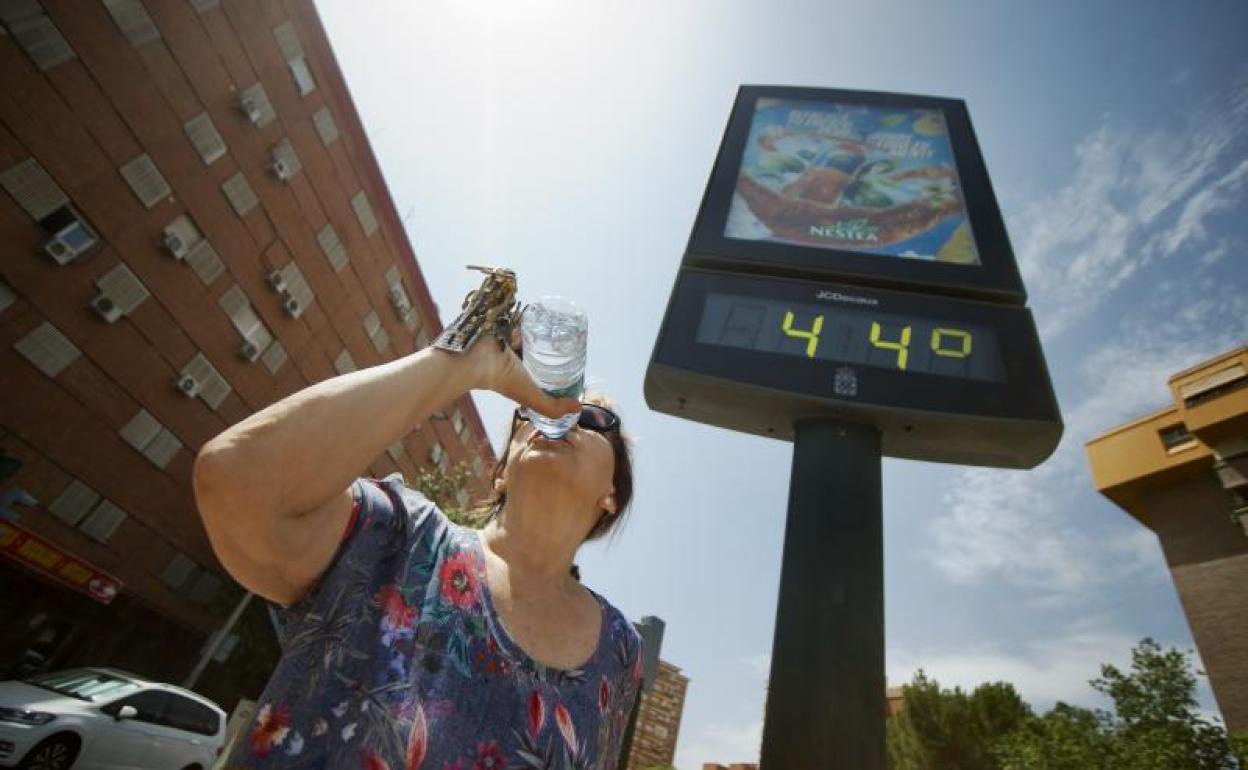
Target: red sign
pixel 32 551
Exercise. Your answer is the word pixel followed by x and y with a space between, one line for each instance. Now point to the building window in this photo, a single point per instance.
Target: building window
pixel 437 454
pixel 204 261
pixel 292 52
pixel 323 119
pixel 133 20
pixel 36 34
pixel 202 6
pixel 302 75
pixel 179 236
pixel 48 349
pixel 274 357
pixel 71 236
pixel 331 244
pixel 46 203
pixel 255 104
pixel 239 193
pixel 153 440
pixel 33 188
pixel 176 574
pixel 376 332
pixel 1176 438
pixel 399 299
pixel 204 136
pixel 205 587
pixel 288 281
pixel 120 293
pixel 256 336
pixel 1214 385
pixel 146 181
pixel 364 213
pixel 344 364
pixel 102 522
pixel 285 162
pixel 7 296
pixel 73 505
pixel 395 450
pixel 200 378
pixel 288 40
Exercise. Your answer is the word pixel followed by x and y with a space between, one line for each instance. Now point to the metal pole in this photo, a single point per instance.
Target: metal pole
pixel 825 699
pixel 215 641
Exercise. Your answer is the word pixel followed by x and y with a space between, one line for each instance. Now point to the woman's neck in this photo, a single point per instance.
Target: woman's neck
pixel 538 545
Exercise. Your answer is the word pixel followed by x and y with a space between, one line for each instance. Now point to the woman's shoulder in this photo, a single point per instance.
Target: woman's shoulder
pixel 404 502
pixel 621 636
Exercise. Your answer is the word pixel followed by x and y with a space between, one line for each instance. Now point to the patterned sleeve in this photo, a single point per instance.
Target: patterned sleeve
pixel 387 517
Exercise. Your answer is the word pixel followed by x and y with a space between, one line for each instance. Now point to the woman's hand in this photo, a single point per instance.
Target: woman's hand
pixel 502 371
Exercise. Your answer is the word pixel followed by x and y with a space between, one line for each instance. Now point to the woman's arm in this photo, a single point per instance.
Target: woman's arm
pixel 273 490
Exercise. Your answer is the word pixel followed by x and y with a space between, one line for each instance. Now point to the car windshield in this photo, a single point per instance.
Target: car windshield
pixel 83 684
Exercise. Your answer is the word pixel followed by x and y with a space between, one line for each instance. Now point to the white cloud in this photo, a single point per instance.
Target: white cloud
pixel 1218 196
pixel 1033 529
pixel 1134 197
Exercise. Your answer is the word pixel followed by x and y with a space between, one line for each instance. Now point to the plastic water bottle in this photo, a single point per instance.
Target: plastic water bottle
pixel 555 330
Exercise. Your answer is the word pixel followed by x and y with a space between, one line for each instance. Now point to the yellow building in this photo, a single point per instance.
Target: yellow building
pixel 1183 473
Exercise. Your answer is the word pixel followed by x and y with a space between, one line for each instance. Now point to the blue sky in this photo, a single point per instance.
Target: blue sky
pixel 572 142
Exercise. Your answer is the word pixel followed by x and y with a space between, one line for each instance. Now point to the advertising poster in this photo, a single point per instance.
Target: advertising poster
pixel 878 180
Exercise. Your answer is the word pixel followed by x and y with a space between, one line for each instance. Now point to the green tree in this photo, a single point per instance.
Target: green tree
pixel 1155 724
pixel 443 487
pixel 942 729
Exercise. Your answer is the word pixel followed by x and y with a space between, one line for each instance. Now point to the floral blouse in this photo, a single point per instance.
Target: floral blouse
pixel 397 660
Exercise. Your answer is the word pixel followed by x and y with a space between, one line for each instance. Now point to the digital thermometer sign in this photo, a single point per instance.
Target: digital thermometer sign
pixel 848 286
pixel 852 335
pixel 849 261
pixel 949 381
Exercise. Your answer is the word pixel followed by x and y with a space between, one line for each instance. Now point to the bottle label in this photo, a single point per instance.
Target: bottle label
pixel 572 390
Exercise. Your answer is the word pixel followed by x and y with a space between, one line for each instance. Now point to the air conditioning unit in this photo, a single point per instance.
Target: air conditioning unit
pixel 250 106
pixel 69 242
pixel 188 385
pixel 107 309
pixel 250 350
pixel 293 307
pixel 281 169
pixel 277 281
pixel 175 245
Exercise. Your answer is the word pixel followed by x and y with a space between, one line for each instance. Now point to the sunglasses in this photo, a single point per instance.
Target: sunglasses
pixel 599 419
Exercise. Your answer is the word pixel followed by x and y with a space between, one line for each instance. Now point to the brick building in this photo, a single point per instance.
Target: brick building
pixel 193 226
pixel 1183 473
pixel 658 719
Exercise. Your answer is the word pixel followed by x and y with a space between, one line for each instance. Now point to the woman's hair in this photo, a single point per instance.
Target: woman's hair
pixel 621 477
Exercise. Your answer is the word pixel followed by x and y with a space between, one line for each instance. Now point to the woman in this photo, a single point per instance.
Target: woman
pixel 410 642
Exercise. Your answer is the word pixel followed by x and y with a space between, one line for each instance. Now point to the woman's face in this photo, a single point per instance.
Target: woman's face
pixel 583 461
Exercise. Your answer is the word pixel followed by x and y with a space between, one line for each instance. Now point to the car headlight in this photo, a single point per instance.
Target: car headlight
pixel 23 717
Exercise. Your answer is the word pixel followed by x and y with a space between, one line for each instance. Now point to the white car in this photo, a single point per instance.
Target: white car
pixel 105 719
